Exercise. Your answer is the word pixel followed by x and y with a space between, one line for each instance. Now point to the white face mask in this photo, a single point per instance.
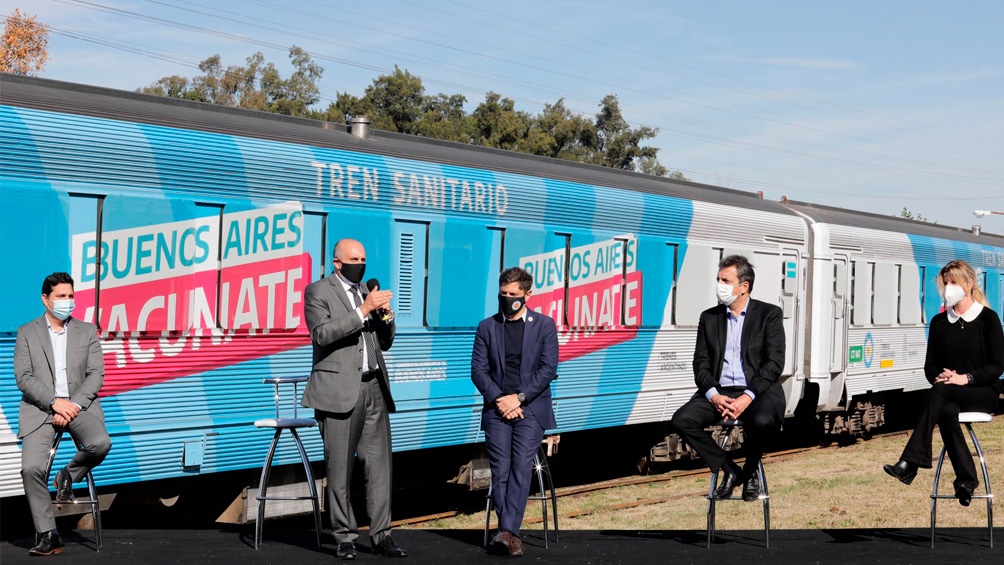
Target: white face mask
pixel 725 295
pixel 954 294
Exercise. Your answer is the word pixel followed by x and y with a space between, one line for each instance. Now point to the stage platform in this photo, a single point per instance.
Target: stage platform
pixel 462 547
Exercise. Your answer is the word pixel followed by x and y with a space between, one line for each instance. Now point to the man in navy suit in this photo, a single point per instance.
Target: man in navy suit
pixel 738 359
pixel 514 360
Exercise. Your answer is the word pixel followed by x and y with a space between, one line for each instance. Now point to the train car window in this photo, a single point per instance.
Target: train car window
pixel 314 244
pixel 885 297
pixel 496 258
pixel 676 259
pixel 409 275
pixel 861 293
pixel 769 271
pixel 910 295
pixel 696 283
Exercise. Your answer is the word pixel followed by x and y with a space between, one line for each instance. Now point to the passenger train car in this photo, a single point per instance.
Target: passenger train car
pixel 191 231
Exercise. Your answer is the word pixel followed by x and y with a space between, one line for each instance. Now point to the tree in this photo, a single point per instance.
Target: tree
pixel 497 123
pixel 24 47
pixel 258 85
pixel 911 216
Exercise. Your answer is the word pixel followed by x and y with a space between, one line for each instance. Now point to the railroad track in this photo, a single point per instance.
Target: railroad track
pixel 641 480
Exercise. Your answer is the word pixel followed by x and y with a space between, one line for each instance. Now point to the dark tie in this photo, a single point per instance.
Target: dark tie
pixel 368 335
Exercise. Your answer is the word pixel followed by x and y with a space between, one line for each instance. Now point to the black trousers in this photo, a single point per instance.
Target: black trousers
pixel 944 402
pixel 760 424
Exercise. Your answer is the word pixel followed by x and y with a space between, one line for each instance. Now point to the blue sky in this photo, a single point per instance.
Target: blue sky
pixel 864 105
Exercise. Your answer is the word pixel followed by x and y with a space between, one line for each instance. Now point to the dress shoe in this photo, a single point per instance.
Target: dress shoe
pixel 726 483
pixel 751 491
pixel 50 544
pixel 501 543
pixel 902 470
pixel 965 494
pixel 64 487
pixel 515 547
pixel 388 548
pixel 346 550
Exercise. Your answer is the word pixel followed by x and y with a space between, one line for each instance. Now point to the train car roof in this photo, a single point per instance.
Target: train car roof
pixel 70 98
pixel 854 218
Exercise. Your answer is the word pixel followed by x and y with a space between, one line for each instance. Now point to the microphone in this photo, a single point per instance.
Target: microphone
pixel 372 285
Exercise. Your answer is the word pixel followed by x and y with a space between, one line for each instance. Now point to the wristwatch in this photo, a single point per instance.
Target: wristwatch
pixel 521 397
pixel 970 377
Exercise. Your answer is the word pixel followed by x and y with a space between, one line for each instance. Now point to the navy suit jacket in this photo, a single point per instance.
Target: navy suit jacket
pixel 538 365
pixel 762 346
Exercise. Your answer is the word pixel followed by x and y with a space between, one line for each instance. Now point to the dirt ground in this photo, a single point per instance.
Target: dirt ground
pixel 840 487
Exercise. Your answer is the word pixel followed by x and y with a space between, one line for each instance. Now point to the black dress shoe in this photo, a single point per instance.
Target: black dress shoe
pixel 388 548
pixel 751 491
pixel 346 550
pixel 50 544
pixel 965 494
pixel 727 482
pixel 64 487
pixel 902 470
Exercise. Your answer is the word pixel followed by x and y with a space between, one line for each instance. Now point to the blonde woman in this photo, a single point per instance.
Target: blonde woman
pixel 965 360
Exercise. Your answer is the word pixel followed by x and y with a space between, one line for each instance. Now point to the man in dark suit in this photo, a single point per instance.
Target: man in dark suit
pixel 738 359
pixel 514 360
pixel 59 369
pixel 349 390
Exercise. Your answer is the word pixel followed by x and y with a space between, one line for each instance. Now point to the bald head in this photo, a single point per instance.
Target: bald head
pixel 349 251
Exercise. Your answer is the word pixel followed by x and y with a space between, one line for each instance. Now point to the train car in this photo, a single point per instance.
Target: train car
pixel 871 291
pixel 191 231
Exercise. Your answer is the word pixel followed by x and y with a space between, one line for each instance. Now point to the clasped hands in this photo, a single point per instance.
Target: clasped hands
pixel 950 377
pixel 509 407
pixel 63 412
pixel 377 300
pixel 730 408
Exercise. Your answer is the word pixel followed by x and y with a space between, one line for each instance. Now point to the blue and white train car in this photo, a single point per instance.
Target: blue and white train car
pixel 871 291
pixel 191 231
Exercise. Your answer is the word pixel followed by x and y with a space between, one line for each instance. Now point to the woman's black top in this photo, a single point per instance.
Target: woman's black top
pixel 975 347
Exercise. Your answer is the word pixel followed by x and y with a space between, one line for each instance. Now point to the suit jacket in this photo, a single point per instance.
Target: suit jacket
pixel 762 344
pixel 538 365
pixel 336 333
pixel 34 366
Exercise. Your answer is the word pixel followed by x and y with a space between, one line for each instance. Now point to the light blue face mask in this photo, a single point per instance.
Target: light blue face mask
pixel 61 308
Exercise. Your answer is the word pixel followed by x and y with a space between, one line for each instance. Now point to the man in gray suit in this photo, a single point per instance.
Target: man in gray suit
pixel 350 326
pixel 59 368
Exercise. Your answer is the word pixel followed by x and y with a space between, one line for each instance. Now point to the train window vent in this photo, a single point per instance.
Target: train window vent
pixel 406 278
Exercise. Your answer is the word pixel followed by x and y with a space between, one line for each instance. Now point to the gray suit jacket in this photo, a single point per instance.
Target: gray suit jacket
pixel 337 335
pixel 34 366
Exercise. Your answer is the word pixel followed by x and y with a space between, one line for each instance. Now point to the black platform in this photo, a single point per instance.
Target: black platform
pixel 460 547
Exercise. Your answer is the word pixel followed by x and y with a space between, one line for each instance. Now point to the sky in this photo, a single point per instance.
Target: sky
pixel 871 106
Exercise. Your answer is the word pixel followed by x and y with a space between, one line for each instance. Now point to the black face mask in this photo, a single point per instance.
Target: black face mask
pixel 353 272
pixel 509 305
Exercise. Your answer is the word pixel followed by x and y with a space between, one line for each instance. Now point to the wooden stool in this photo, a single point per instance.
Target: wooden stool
pixel 279 424
pixel 727 427
pixel 967 419
pixel 92 491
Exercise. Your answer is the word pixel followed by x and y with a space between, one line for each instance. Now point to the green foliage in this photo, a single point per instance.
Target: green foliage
pixel 911 216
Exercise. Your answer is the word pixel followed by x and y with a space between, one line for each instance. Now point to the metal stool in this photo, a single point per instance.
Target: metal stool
pixel 546 493
pixel 727 427
pixel 968 419
pixel 92 491
pixel 279 424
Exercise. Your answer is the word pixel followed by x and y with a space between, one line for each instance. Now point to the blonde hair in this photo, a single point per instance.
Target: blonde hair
pixel 960 272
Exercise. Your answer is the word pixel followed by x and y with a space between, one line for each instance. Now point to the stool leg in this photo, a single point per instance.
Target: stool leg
pixel 310 483
pixel 540 484
pixel 766 503
pixel 92 491
pixel 263 488
pixel 934 494
pixel 489 506
pixel 553 495
pixel 986 483
pixel 726 430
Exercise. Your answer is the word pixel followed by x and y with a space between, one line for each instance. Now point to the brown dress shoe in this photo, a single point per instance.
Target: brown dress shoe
pixel 501 543
pixel 515 547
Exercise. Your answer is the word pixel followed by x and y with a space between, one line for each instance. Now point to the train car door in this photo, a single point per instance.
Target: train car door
pixel 838 301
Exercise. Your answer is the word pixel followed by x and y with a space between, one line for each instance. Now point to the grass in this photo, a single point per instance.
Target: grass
pixel 842 487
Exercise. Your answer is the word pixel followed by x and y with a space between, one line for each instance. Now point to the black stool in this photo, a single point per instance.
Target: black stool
pixel 727 427
pixel 967 419
pixel 279 424
pixel 92 491
pixel 546 493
